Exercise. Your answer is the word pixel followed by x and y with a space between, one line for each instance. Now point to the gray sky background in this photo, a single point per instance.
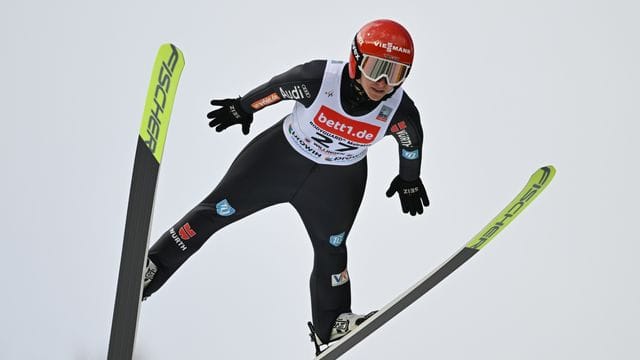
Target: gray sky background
pixel 503 87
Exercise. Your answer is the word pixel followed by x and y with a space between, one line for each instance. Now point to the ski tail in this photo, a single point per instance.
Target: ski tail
pixel 151 139
pixel 536 184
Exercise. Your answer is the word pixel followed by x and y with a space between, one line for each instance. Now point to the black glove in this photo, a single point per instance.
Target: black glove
pixel 412 194
pixel 230 113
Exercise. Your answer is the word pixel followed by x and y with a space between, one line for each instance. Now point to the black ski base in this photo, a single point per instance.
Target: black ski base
pixel 134 248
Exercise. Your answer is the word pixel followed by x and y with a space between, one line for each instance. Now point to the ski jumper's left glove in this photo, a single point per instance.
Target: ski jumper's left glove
pixel 230 113
pixel 413 195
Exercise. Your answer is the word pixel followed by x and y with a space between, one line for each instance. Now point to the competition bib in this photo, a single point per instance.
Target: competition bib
pixel 326 134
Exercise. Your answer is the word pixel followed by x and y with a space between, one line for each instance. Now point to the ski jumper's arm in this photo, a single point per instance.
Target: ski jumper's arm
pixel 406 129
pixel 300 83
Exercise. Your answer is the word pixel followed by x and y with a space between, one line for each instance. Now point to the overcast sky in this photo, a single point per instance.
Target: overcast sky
pixel 503 87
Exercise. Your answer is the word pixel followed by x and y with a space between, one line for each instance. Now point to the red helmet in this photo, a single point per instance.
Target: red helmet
pixel 381 40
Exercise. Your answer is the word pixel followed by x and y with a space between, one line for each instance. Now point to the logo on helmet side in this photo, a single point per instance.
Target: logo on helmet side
pixel 390 47
pixel 355 52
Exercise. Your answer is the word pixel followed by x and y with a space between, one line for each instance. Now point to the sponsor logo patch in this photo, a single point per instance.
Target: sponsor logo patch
pixel 400 132
pixel 384 113
pixel 354 49
pixel 176 239
pixel 349 129
pixel 296 93
pixel 336 240
pixel 266 101
pixel 390 47
pixel 340 279
pixel 404 138
pixel 410 155
pixel 399 126
pixel 223 208
pixel 186 232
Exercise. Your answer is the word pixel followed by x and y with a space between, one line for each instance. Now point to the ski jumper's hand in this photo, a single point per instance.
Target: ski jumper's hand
pixel 412 194
pixel 230 113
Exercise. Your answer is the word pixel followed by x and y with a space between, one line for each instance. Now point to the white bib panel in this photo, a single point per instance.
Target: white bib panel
pixel 326 134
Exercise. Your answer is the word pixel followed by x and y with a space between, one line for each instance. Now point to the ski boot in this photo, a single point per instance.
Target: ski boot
pixel 150 271
pixel 345 323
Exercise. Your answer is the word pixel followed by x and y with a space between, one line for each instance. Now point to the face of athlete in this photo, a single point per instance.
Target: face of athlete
pixel 375 90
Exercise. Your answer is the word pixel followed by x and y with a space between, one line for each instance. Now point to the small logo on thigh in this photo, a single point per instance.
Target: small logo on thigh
pixel 336 240
pixel 340 279
pixel 223 208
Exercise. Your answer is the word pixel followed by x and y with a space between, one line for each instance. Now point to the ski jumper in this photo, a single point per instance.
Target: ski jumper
pixel 314 159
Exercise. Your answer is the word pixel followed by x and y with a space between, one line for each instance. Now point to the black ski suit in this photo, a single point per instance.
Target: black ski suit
pixel 269 171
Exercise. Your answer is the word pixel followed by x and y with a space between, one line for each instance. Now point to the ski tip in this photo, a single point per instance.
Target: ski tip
pixel 545 174
pixel 170 50
pixel 171 46
pixel 549 168
pixel 161 94
pixel 537 183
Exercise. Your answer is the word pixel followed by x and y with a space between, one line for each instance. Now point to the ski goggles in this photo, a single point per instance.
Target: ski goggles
pixel 375 68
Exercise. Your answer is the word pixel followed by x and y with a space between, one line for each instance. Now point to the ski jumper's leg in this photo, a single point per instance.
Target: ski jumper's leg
pixel 266 172
pixel 328 203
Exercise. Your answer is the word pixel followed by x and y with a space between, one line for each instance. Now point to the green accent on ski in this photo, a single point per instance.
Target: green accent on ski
pixel 538 182
pixel 160 97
